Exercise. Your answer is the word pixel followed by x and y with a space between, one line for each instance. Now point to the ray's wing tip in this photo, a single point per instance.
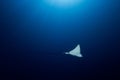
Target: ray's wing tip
pixel 80 55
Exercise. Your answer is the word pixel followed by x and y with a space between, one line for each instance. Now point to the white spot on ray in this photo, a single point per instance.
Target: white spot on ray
pixel 75 52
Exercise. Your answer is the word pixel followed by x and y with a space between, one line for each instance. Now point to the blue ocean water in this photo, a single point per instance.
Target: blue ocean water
pixel 35 36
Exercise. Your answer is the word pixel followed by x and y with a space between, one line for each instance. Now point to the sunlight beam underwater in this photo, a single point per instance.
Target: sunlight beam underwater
pixel 63 3
pixel 66 4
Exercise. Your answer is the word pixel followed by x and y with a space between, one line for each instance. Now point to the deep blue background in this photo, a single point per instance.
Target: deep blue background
pixel 35 35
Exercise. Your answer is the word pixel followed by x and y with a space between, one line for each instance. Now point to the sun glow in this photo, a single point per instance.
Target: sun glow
pixel 63 3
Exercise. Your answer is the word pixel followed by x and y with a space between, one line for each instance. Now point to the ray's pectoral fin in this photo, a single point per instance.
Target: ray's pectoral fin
pixel 75 52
